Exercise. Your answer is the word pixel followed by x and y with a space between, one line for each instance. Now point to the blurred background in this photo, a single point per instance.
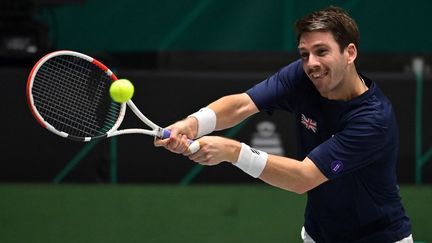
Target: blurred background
pixel 181 55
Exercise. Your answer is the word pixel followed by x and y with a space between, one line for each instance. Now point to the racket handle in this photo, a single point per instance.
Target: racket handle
pixel 194 146
pixel 166 133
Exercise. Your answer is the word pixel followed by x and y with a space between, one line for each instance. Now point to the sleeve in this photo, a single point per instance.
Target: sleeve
pixel 278 91
pixel 360 143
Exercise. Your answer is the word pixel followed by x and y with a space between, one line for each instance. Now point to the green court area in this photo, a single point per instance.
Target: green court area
pixel 168 213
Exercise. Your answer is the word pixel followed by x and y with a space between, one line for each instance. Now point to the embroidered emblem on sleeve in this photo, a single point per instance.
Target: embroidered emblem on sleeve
pixel 336 166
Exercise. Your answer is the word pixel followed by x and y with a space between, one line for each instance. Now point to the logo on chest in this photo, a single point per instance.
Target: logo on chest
pixel 309 123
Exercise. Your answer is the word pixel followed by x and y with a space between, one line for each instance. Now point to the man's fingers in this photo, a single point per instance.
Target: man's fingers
pixel 160 142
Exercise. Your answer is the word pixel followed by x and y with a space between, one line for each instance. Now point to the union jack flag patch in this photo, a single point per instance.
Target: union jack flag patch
pixel 309 123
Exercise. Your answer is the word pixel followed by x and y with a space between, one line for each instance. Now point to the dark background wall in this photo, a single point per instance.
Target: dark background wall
pixel 224 25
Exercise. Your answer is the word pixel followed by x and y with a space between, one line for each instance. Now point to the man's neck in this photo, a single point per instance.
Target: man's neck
pixel 353 86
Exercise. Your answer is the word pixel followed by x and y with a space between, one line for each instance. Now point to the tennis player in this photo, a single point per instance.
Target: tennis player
pixel 347 135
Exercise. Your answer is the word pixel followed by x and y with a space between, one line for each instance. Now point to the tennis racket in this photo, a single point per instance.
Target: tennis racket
pixel 68 94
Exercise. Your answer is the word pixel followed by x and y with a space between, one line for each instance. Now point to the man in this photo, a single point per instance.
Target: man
pixel 348 137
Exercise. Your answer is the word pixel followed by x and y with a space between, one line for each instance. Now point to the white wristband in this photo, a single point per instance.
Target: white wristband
pixel 251 161
pixel 206 121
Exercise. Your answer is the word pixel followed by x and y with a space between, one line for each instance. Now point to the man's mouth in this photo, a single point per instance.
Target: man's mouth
pixel 317 74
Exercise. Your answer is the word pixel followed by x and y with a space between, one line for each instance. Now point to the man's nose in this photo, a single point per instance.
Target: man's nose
pixel 312 61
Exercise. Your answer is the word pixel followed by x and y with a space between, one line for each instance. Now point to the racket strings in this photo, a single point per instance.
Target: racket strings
pixel 76 121
pixel 67 91
pixel 64 87
pixel 72 116
pixel 72 95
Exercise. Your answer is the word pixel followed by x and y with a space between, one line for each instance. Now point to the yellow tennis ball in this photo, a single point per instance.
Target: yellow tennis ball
pixel 121 90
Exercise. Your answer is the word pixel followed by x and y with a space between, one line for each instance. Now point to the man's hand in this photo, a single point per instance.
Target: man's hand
pixel 215 150
pixel 181 132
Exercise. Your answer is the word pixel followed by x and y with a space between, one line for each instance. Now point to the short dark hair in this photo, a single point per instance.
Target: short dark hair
pixel 333 19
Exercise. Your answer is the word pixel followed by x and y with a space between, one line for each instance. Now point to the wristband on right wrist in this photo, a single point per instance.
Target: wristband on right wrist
pixel 251 161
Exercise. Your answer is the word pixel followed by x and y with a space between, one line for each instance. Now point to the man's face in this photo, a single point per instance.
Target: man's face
pixel 323 62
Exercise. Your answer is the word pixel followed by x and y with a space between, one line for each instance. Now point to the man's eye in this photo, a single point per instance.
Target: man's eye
pixel 304 55
pixel 321 52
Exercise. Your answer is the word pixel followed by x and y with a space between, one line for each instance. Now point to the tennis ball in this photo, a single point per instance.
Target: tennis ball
pixel 121 90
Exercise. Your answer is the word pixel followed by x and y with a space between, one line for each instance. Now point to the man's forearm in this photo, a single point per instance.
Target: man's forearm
pixel 232 109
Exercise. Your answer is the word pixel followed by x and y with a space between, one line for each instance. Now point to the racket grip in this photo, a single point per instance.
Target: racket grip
pixel 194 146
pixel 166 133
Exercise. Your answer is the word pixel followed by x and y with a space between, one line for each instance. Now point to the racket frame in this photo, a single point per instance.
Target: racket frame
pixel 156 130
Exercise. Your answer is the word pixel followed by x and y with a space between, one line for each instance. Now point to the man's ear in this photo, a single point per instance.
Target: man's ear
pixel 351 51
